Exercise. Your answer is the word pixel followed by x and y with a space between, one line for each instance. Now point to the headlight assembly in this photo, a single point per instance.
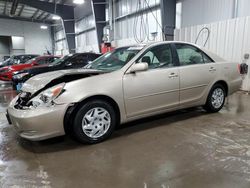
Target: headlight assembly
pixel 46 97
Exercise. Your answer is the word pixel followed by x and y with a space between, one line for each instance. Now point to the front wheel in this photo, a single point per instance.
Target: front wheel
pixel 216 98
pixel 94 122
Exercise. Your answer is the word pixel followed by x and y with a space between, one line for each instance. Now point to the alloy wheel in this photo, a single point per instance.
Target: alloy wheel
pixel 96 122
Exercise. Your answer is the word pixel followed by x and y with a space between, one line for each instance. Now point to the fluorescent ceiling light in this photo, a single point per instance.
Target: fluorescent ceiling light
pixel 79 2
pixel 44 27
pixel 55 17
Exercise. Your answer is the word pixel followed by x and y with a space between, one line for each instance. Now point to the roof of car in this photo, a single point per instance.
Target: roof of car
pixel 43 56
pixel 26 55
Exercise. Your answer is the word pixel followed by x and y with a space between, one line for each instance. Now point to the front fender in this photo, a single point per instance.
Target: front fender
pixel 109 85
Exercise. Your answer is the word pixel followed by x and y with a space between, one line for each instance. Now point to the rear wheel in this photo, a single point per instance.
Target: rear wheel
pixel 94 122
pixel 216 98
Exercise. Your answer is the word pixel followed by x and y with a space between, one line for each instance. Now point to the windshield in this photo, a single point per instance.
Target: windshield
pixel 8 62
pixel 30 61
pixel 114 60
pixel 60 60
pixel 19 59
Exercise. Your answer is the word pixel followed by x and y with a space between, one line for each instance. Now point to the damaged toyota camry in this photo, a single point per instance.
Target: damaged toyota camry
pixel 127 84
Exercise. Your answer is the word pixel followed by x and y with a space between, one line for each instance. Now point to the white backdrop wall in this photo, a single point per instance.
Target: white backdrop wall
pixel 229 39
pixel 195 12
pixel 243 8
pixel 36 40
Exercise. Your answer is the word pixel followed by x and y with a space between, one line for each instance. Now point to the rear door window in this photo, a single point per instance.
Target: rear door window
pixel 190 55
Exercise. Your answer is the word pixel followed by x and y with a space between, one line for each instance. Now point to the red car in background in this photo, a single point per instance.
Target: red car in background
pixel 7 72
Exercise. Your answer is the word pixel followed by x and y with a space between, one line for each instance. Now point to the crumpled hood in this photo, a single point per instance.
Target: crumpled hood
pixel 40 81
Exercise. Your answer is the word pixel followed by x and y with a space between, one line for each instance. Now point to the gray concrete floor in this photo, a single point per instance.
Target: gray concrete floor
pixel 186 149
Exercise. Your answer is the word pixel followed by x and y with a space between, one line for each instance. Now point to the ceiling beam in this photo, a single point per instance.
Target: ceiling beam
pixel 46 17
pixel 35 14
pixel 25 19
pixel 14 7
pixel 21 10
pixel 41 15
pixel 47 6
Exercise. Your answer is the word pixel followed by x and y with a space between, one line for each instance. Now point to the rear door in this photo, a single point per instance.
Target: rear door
pixel 197 72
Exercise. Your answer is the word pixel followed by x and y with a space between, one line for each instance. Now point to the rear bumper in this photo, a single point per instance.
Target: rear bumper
pixel 38 124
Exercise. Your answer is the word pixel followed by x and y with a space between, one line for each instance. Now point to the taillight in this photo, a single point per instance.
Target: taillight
pixel 243 68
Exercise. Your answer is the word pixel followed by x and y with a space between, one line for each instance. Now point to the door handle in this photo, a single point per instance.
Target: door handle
pixel 212 69
pixel 173 75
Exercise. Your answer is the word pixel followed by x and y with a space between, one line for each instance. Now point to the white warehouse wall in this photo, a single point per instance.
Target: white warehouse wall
pixel 229 39
pixel 35 39
pixel 61 46
pixel 86 36
pixel 243 8
pixel 196 12
pixel 124 28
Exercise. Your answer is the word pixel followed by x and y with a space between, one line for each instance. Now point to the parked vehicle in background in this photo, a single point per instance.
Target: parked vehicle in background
pixel 71 61
pixel 17 59
pixel 6 57
pixel 7 72
pixel 124 85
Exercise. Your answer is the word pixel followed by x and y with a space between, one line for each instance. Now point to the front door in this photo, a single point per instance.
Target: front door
pixel 153 90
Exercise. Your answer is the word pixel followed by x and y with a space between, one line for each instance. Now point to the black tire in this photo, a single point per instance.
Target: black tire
pixel 78 132
pixel 209 107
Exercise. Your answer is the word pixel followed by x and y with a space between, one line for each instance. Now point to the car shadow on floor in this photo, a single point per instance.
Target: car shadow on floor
pixel 69 143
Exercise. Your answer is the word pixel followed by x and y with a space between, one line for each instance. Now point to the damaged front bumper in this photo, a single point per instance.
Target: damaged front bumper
pixel 40 123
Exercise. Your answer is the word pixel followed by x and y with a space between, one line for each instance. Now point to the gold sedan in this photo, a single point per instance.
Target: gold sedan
pixel 129 83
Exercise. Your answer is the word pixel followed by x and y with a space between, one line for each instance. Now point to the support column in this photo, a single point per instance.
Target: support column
pixel 99 11
pixel 168 14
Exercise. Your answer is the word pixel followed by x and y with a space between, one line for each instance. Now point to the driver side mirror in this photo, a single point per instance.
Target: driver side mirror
pixel 137 67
